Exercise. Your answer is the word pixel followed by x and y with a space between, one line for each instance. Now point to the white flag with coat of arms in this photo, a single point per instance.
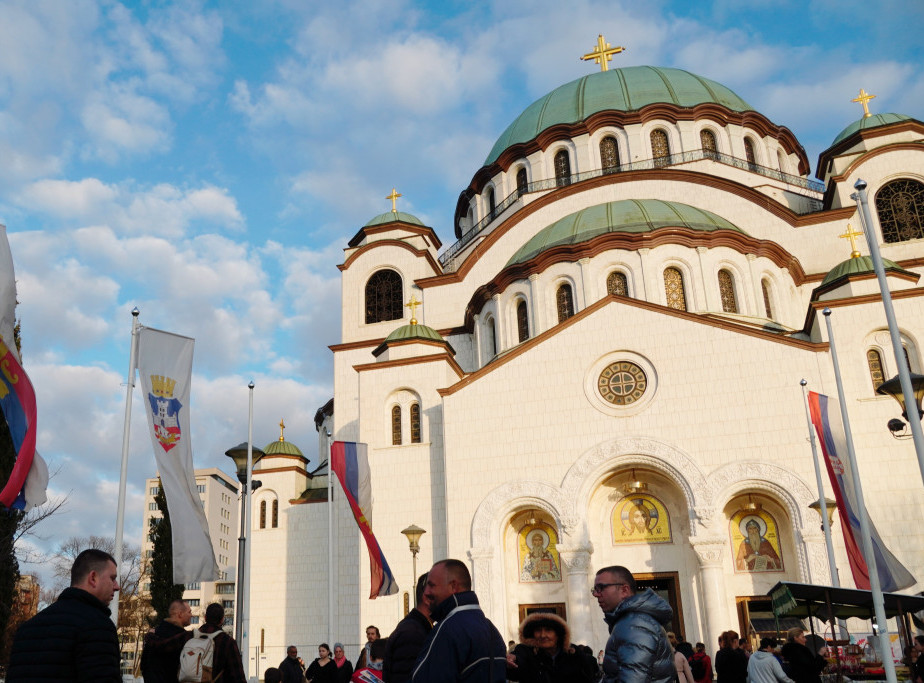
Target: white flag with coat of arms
pixel 165 370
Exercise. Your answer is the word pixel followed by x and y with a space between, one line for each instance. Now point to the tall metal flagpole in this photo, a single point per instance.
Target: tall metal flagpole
pixel 826 525
pixel 330 543
pixel 126 432
pixel 245 593
pixel 885 644
pixel 904 374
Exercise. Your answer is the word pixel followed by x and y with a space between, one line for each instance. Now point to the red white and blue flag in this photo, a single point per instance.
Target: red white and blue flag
pixel 892 574
pixel 350 462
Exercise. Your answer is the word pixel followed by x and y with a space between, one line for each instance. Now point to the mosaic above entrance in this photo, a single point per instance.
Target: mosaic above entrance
pixel 755 542
pixel 539 560
pixel 641 518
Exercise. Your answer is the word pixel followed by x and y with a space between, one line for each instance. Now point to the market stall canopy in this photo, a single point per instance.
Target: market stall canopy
pixel 809 600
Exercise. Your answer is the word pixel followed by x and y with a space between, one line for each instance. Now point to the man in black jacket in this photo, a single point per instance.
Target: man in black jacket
pixel 74 638
pixel 160 659
pixel 406 641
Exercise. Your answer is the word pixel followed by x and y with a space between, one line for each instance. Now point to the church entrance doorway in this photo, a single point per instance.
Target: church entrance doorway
pixel 667 586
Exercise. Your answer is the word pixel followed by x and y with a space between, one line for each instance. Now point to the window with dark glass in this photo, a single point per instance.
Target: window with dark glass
pixel 707 142
pixel 522 182
pixel 491 337
pixel 609 155
pixel 900 206
pixel 415 423
pixel 874 361
pixel 275 514
pixel 522 322
pixel 727 292
pixel 262 514
pixel 617 283
pixel 673 289
pixel 749 152
pixel 564 301
pixel 396 426
pixel 765 290
pixel 660 148
pixel 383 297
pixel 492 206
pixel 562 168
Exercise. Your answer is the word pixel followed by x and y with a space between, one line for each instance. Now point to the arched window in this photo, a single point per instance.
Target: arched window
pixel 275 514
pixel 765 290
pixel 874 361
pixel 415 423
pixel 522 321
pixel 383 297
pixel 565 302
pixel 707 142
pixel 490 341
pixel 727 292
pixel 562 168
pixel 749 152
pixel 492 206
pixel 660 148
pixel 609 154
pixel 396 425
pixel 522 182
pixel 262 514
pixel 617 283
pixel 900 205
pixel 673 289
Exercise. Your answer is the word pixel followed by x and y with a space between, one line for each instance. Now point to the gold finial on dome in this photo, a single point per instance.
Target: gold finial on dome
pixel 282 429
pixel 864 99
pixel 603 53
pixel 394 199
pixel 413 304
pixel 852 236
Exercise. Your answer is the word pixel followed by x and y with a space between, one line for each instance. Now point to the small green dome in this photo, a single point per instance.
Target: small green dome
pixel 628 215
pixel 627 89
pixel 282 448
pixel 867 122
pixel 414 332
pixel 393 216
pixel 858 266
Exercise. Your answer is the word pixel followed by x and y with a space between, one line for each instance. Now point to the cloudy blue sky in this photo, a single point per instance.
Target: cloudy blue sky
pixel 208 161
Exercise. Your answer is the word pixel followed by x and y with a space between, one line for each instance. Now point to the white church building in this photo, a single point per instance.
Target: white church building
pixel 604 369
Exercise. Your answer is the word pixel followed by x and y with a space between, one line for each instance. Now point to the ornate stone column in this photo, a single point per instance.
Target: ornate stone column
pixel 709 552
pixel 711 303
pixel 756 289
pixel 483 583
pixel 500 319
pixel 576 566
pixel 537 322
pixel 586 284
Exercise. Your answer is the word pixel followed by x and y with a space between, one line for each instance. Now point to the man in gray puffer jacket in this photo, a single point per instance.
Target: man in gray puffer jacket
pixel 638 650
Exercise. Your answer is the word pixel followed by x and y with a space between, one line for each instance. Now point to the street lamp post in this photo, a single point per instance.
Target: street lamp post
pixel 239 455
pixel 413 534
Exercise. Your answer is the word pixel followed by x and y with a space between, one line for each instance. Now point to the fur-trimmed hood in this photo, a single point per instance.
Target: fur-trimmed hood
pixel 530 623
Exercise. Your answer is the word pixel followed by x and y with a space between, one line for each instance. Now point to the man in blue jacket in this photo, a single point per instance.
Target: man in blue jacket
pixel 638 650
pixel 464 645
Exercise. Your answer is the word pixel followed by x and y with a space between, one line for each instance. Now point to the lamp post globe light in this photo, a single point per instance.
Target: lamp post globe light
pixel 239 455
pixel 413 534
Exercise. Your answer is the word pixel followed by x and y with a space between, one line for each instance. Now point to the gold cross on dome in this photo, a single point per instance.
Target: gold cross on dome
pixel 852 236
pixel 282 429
pixel 413 304
pixel 864 99
pixel 394 199
pixel 603 53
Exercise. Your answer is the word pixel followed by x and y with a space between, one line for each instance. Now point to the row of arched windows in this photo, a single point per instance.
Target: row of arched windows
pixel 275 513
pixel 396 433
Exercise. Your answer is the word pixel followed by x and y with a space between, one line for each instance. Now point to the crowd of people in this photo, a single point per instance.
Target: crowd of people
pixel 446 637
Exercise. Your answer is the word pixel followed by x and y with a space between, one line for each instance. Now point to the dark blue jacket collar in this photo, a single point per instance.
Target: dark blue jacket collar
pixel 442 610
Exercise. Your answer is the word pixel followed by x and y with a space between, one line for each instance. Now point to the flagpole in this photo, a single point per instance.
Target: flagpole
pixel 330 543
pixel 822 508
pixel 123 477
pixel 885 644
pixel 904 373
pixel 244 592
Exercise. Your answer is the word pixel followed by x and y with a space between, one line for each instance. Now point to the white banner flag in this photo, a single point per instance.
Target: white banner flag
pixel 165 370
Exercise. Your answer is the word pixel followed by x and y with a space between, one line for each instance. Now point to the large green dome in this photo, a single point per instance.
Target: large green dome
pixel 625 89
pixel 628 215
pixel 393 216
pixel 867 122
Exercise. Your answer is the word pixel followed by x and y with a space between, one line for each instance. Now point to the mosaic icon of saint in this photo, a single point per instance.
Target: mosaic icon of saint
pixel 755 552
pixel 539 564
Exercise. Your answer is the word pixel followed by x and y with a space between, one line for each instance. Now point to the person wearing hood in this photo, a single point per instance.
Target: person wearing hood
pixel 545 653
pixel 764 667
pixel 464 645
pixel 637 650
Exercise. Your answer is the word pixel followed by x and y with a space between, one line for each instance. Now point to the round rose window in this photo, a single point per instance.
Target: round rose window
pixel 622 383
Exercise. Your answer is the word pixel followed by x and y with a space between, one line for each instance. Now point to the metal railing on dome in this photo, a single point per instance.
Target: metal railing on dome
pixel 480 228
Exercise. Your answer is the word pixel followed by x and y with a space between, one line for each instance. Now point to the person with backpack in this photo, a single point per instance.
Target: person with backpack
pixel 211 654
pixel 162 646
pixel 701 665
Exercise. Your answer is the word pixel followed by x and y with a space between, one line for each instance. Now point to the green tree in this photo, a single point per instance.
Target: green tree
pixel 163 589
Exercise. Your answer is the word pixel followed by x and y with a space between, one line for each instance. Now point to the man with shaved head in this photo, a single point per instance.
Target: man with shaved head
pixel 160 659
pixel 464 645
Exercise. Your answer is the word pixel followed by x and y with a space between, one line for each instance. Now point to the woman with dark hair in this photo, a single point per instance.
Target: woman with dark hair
pixel 731 663
pixel 805 666
pixel 323 669
pixel 545 653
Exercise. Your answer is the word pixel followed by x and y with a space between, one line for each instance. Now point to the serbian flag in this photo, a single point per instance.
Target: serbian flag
pixel 892 574
pixel 350 463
